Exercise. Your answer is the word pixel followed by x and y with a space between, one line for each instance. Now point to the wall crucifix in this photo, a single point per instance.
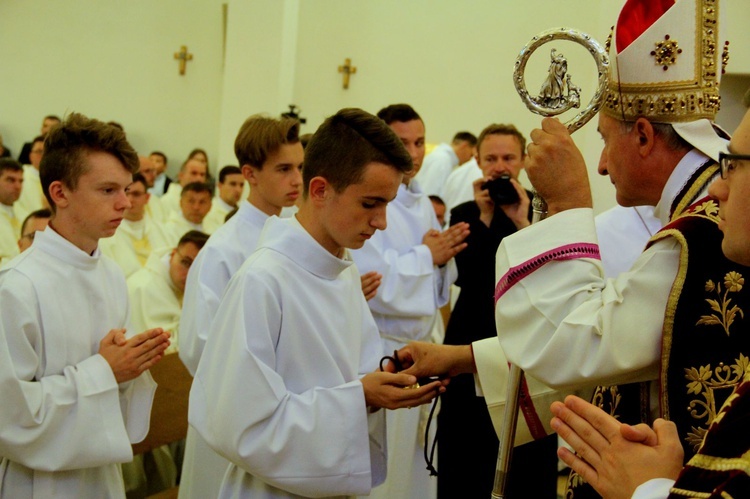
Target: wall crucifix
pixel 183 56
pixel 348 70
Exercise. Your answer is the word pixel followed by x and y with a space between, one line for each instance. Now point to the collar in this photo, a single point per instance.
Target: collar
pixel 409 195
pixel 7 210
pixel 57 246
pixel 288 237
pixel 251 214
pixel 223 204
pixel 678 180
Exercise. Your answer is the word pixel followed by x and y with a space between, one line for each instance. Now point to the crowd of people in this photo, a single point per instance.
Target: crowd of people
pixel 303 291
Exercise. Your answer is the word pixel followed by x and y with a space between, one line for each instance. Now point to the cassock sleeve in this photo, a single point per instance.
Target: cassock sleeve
pixel 203 290
pixel 62 421
pixel 411 286
pixel 564 323
pixel 314 443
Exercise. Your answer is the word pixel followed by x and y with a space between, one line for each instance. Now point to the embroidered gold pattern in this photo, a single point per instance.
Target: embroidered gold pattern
pixel 722 314
pixel 725 57
pixel 704 382
pixel 679 101
pixel 666 52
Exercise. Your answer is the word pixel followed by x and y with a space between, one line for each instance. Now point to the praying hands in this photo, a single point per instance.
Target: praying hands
pixel 129 357
pixel 613 457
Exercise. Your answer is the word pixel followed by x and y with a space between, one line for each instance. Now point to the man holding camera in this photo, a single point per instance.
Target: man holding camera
pixel 467 448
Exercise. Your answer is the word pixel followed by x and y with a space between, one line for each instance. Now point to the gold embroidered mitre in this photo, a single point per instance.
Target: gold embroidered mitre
pixel 666 61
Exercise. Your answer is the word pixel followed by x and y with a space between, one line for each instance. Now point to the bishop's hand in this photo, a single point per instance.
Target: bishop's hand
pixel 556 168
pixel 424 359
pixel 128 358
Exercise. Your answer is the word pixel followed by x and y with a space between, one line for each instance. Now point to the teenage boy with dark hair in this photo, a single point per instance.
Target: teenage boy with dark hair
pixel 75 395
pixel 289 382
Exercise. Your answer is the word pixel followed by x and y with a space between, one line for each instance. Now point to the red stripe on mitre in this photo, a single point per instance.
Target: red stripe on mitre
pixel 636 17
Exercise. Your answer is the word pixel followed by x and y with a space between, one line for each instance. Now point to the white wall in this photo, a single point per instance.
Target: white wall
pixel 113 60
pixel 452 60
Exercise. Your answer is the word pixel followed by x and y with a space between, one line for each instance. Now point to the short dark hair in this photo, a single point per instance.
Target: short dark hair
pixel 228 170
pixel 51 117
pixel 346 143
pixel 503 129
pixel 138 177
pixel 159 153
pixel 196 187
pixel 436 199
pixel 195 237
pixel 465 137
pixel 261 136
pixel 38 138
pixel 10 164
pixel 43 213
pixel 67 146
pixel 398 112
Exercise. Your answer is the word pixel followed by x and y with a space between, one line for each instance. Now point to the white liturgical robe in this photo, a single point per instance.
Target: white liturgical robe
pixel 459 187
pixel 622 233
pixel 567 325
pixel 405 307
pixel 221 257
pixel 133 243
pixel 277 390
pixel 10 231
pixel 32 195
pixel 177 226
pixel 154 299
pixel 170 201
pixel 436 168
pixel 216 216
pixel 65 423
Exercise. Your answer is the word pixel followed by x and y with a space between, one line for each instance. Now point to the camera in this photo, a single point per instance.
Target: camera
pixel 501 190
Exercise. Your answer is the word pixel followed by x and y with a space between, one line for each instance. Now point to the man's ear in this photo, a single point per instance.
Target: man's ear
pixel 249 173
pixel 319 189
pixel 59 194
pixel 645 135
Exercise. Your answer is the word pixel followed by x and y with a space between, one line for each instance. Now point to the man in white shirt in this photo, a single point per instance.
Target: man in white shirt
pixel 11 184
pixel 193 170
pixel 416 261
pixel 288 387
pixel 271 156
pixel 195 203
pixel 69 371
pixel 229 192
pixel 138 234
pixel 156 290
pixel 443 160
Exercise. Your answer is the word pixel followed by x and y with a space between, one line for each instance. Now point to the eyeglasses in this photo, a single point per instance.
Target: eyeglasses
pixel 728 162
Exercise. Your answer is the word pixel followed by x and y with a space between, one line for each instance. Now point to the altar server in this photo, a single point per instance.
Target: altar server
pixel 416 261
pixel 289 383
pixel 271 156
pixel 75 394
